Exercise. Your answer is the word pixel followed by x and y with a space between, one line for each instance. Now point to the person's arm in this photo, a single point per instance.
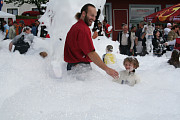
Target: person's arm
pixel 97 60
pixel 173 42
pixel 6 33
pixel 10 46
pixel 109 32
pixel 136 40
pixel 143 34
pixel 95 35
pixel 10 33
pixel 132 42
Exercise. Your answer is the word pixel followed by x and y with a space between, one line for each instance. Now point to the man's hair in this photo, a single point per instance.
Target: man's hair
pixel 84 8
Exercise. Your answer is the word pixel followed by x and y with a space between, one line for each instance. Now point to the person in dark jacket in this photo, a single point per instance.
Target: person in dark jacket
pixel 157 42
pixel 126 43
pixel 140 41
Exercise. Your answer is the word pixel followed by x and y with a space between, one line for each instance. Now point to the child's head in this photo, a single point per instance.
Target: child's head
pixel 109 48
pixel 174 60
pixel 175 55
pixel 131 63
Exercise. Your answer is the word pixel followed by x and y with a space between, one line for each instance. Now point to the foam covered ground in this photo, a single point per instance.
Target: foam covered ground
pixel 29 89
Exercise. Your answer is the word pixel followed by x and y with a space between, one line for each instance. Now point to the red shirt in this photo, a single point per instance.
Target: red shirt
pixel 177 44
pixel 78 43
pixel 107 30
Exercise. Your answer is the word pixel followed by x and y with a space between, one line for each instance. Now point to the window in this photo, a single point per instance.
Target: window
pixel 13 11
pixel 138 12
pixel 35 9
pixel 107 12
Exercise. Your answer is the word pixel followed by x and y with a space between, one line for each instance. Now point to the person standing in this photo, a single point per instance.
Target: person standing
pixel 126 41
pixel 173 33
pixel 167 30
pixel 20 27
pixel 12 30
pixel 79 49
pixel 1 4
pixel 34 30
pixel 37 23
pixel 107 28
pixel 148 30
pixel 133 32
pixel 6 30
pixel 140 41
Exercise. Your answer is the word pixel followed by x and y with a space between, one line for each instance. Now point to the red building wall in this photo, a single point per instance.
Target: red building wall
pixel 118 7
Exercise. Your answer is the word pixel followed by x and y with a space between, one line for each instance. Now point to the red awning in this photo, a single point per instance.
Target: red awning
pixel 170 14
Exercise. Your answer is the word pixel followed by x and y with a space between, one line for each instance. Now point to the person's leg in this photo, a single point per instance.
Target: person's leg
pixel 123 50
pixel 134 52
pixel 139 48
pixel 148 45
pixel 70 65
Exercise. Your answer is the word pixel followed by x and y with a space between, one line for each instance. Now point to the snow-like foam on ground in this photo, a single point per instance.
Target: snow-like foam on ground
pixel 29 89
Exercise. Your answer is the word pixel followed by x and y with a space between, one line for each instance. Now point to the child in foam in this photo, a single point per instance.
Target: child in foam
pixel 128 76
pixel 174 60
pixel 109 57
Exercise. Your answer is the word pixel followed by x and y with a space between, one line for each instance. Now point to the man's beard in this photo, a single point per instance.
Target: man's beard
pixel 86 20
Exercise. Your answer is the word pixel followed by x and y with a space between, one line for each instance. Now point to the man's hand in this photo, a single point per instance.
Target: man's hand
pixel 112 73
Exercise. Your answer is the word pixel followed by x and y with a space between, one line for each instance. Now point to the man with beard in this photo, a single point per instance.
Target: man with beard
pixel 79 50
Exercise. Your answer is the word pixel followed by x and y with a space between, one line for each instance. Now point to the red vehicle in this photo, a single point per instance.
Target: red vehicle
pixel 31 13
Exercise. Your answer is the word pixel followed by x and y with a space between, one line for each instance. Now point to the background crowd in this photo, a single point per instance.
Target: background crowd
pixel 143 39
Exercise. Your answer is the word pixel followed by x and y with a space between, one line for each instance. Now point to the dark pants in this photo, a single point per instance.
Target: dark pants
pixel 23 48
pixel 124 49
pixel 135 51
pixel 70 65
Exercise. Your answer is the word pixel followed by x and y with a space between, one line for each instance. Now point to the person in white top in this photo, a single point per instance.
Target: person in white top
pixel 149 29
pixel 167 30
pixel 23 41
pixel 128 76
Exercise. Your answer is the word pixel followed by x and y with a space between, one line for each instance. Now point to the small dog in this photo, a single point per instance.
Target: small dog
pixel 43 54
